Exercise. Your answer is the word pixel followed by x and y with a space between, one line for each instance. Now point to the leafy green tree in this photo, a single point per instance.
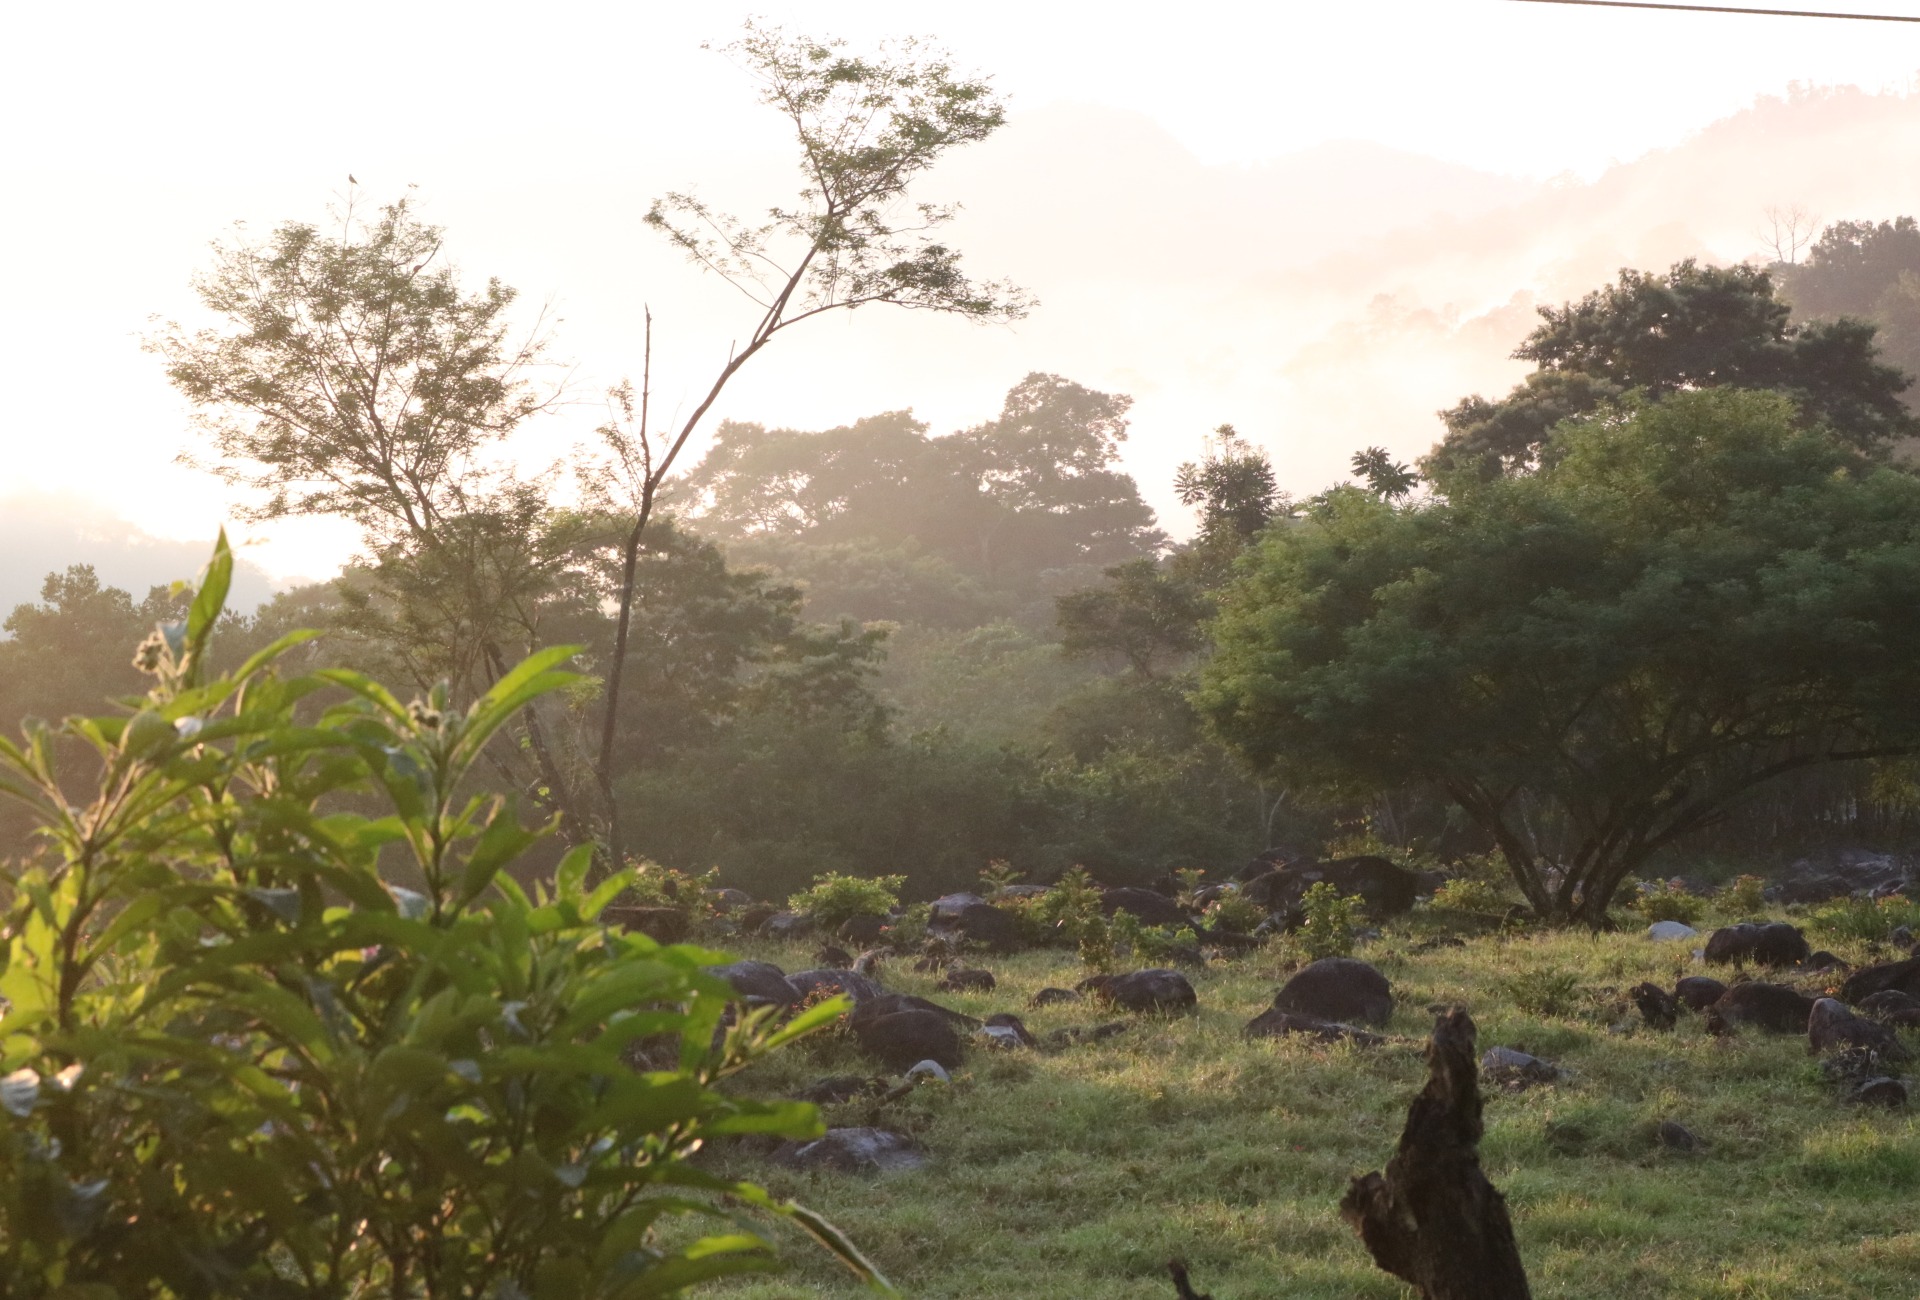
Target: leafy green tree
pixel 240 1061
pixel 1385 477
pixel 1594 660
pixel 1144 616
pixel 1869 271
pixel 1694 327
pixel 1233 488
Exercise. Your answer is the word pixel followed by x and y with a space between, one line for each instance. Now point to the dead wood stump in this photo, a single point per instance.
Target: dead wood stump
pixel 1433 1219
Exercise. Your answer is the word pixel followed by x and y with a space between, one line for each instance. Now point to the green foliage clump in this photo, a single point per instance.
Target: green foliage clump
pixel 238 1061
pixel 1543 991
pixel 656 886
pixel 1667 901
pixel 833 899
pixel 1235 913
pixel 1467 894
pixel 995 877
pixel 1743 896
pixel 1146 944
pixel 1331 920
pixel 1867 919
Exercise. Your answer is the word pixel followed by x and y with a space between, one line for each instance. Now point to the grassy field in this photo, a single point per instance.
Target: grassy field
pixel 1076 1174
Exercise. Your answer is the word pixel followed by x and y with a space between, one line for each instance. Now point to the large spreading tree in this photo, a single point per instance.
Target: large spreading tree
pixel 1688 598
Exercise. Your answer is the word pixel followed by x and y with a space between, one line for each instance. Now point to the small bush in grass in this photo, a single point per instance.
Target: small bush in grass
pixel 1867 919
pixel 1235 913
pixel 1464 894
pixel 1330 922
pixel 1665 901
pixel 995 877
pixel 1545 991
pixel 657 886
pixel 833 899
pixel 1741 897
pixel 1149 944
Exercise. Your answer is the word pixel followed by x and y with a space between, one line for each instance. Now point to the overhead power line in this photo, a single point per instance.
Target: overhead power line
pixel 1731 9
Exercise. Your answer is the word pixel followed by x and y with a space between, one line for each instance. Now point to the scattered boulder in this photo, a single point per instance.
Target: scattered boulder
pixel 730 900
pixel 1889 1002
pixel 1902 937
pixel 869 962
pixel 854 1151
pixel 1880 1091
pixel 836 958
pixel 928 1070
pixel 964 981
pixel 1077 1034
pixel 1275 1023
pixel 754 917
pixel 758 983
pixel 1050 996
pixel 837 1088
pixel 948 907
pixel 660 924
pixel 1513 1069
pixel 1005 1029
pixel 1149 907
pixel 889 1003
pixel 1144 992
pixel 1772 1007
pixel 989 926
pixel 1386 889
pixel 1826 961
pixel 1903 976
pixel 863 931
pixel 1849 872
pixel 1676 1136
pixel 1698 992
pixel 1774 943
pixel 1831 1027
pixel 1659 1008
pixel 816 985
pixel 787 925
pixel 1338 989
pixel 902 1039
pixel 1667 930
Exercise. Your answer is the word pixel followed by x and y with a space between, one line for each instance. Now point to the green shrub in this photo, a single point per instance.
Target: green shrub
pixel 1867 919
pixel 1545 991
pixel 1742 897
pixel 1665 901
pixel 995 877
pixel 657 886
pixel 833 899
pixel 1464 894
pixel 1330 922
pixel 1067 913
pixel 1235 913
pixel 239 1062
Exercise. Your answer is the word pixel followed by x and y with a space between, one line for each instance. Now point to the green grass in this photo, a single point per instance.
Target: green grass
pixel 1077 1174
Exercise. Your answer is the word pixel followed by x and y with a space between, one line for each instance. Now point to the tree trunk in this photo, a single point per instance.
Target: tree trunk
pixel 1433 1220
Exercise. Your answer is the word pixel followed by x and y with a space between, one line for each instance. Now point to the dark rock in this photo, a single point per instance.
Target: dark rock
pixel 1338 989
pixel 1813 887
pixel 1826 961
pixel 1773 944
pixel 837 958
pixel 1889 1002
pixel 1658 1007
pixel 1699 992
pixel 787 925
pixel 1010 893
pixel 1144 991
pixel 1902 937
pixel 759 982
pixel 1772 1007
pixel 1903 976
pixel 1831 1027
pixel 947 908
pixel 1676 1136
pixel 863 931
pixel 869 963
pixel 1007 1030
pixel 1513 1069
pixel 889 1003
pixel 1149 907
pixel 905 1038
pixel 730 900
pixel 1851 1065
pixel 837 1088
pixel 1848 872
pixel 1386 889
pixel 1097 1034
pixel 983 923
pixel 660 924
pixel 961 981
pixel 815 985
pixel 1880 1091
pixel 1275 1023
pixel 754 916
pixel 854 1151
pixel 1049 996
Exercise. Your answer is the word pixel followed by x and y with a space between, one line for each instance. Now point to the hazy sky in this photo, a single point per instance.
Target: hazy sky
pixel 537 133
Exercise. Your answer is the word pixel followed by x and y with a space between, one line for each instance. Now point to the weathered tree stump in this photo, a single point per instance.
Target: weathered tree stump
pixel 1433 1219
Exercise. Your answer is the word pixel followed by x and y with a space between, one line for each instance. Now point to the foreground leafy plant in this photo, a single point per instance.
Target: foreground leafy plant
pixel 240 1063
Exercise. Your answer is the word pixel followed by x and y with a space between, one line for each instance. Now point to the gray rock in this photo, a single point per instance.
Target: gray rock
pixel 855 1151
pixel 1341 989
pixel 1048 997
pixel 1676 1136
pixel 787 925
pixel 904 1038
pixel 1671 930
pixel 1145 991
pixel 819 984
pixel 949 906
pixel 1513 1069
pixel 1831 1027
pixel 929 1070
pixel 1881 1091
pixel 1275 1023
pixel 758 983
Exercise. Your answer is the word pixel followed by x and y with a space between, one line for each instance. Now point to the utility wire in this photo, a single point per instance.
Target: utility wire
pixel 1730 9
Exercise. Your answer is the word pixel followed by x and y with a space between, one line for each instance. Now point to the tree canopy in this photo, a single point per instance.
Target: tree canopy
pixel 1687 599
pixel 1691 328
